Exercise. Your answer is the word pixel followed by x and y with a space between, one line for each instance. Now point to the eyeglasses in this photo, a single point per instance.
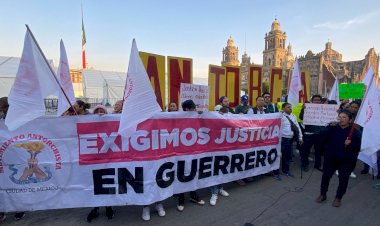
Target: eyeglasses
pixel 267 97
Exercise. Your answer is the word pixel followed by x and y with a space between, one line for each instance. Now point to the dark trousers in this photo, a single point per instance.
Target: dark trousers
pixel 286 155
pixel 344 167
pixel 286 150
pixel 181 196
pixel 310 140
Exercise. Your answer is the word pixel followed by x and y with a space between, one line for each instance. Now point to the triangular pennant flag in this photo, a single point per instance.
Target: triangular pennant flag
pixel 295 86
pixel 66 83
pixel 140 102
pixel 368 76
pixel 369 118
pixel 34 82
pixel 334 92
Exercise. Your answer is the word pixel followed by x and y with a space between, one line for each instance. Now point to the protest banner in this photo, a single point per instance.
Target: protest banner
pixel 155 67
pixel 305 80
pixel 217 84
pixel 320 114
pixel 352 90
pixel 233 85
pixel 81 161
pixel 224 81
pixel 197 93
pixel 255 78
pixel 275 85
pixel 179 70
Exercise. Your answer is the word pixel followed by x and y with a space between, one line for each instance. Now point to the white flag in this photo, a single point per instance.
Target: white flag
pixel 368 76
pixel 369 118
pixel 65 80
pixel 334 92
pixel 34 82
pixel 295 86
pixel 139 99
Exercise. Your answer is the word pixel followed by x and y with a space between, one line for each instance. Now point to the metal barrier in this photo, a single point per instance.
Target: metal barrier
pixel 51 104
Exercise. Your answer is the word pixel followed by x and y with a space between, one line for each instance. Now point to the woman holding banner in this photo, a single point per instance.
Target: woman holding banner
pixel 341 154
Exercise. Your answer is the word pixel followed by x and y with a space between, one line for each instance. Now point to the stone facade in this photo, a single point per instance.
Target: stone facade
pixel 275 53
pixel 244 69
pixel 325 66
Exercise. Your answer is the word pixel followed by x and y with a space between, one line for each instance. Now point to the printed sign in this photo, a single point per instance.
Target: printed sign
pixel 320 114
pixel 198 93
pixel 352 90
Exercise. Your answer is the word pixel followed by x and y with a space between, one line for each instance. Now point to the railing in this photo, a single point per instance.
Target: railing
pixel 51 104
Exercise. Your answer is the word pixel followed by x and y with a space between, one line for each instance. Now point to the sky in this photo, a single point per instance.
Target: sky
pixel 196 29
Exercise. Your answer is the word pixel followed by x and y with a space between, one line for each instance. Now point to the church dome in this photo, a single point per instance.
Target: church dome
pixel 372 51
pixel 276 25
pixel 230 42
pixel 309 53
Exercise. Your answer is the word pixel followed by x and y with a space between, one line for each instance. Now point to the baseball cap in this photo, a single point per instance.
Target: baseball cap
pixel 244 98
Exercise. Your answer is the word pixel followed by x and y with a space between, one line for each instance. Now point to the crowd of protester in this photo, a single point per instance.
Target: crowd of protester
pixel 333 152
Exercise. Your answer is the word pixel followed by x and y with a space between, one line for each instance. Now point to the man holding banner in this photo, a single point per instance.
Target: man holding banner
pixel 311 138
pixel 223 101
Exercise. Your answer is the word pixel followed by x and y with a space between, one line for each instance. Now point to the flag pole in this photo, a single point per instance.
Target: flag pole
pixel 360 108
pixel 51 70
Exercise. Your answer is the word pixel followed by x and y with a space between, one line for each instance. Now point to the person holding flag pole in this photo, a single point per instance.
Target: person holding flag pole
pixel 341 154
pixel 138 95
pixel 369 118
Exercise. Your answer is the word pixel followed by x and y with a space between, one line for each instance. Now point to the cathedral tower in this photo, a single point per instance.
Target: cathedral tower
pixel 230 54
pixel 274 54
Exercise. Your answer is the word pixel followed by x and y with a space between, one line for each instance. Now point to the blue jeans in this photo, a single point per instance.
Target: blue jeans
pixel 215 189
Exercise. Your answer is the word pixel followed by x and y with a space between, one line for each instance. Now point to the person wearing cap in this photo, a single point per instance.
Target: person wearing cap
pixel 271 107
pixel 100 110
pixel 244 107
pixel 223 102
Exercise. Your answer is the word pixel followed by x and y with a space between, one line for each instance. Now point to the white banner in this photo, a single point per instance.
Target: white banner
pixel 198 93
pixel 81 161
pixel 320 114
